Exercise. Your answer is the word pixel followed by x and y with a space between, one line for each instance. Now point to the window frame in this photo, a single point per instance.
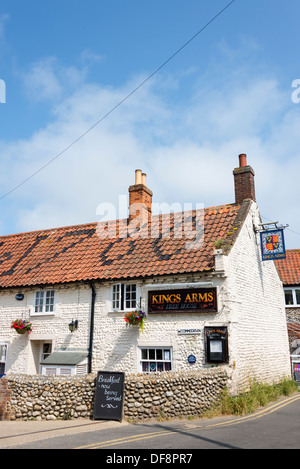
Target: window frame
pixel 163 361
pixel 121 294
pixel 294 297
pixel 58 370
pixel 41 301
pixel 4 344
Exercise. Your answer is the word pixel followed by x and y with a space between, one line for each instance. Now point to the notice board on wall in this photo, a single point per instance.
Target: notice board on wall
pixel 109 395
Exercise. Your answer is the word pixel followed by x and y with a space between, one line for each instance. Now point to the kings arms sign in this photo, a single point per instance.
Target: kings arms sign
pixel 272 245
pixel 194 300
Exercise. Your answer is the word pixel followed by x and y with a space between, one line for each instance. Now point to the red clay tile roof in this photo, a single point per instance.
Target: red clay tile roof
pixel 77 253
pixel 289 268
pixel 293 329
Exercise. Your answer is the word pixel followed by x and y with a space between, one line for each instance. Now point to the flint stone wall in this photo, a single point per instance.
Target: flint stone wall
pixel 167 395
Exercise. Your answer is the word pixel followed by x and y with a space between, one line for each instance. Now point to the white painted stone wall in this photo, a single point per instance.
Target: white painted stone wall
pixel 23 350
pixel 258 330
pixel 117 346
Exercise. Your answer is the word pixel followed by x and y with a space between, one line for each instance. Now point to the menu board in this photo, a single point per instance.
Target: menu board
pixel 109 395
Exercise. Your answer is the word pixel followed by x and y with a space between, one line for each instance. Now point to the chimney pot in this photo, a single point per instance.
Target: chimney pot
pixel 243 160
pixel 144 175
pixel 138 176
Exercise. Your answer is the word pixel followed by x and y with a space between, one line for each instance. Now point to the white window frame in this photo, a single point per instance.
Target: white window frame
pixel 40 300
pixel 163 362
pixel 58 370
pixel 123 297
pixel 3 344
pixel 45 354
pixel 116 296
pixel 293 290
pixel 64 370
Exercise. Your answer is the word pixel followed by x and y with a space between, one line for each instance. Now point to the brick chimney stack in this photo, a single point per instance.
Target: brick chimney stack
pixel 244 186
pixel 140 198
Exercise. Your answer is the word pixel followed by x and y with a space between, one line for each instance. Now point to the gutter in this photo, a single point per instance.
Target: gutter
pixel 90 355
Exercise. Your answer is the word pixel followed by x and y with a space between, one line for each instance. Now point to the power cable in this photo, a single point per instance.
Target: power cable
pixel 119 103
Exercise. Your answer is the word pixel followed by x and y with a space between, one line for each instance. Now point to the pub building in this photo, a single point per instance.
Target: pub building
pixel 196 279
pixel 289 272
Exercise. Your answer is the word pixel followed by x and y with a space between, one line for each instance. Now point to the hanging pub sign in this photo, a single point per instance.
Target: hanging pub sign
pixel 272 245
pixel 192 300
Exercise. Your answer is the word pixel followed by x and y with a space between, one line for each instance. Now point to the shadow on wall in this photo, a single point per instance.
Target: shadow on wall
pixel 121 356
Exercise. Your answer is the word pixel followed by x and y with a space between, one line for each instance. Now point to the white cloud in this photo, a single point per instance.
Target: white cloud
pixel 3 20
pixel 49 80
pixel 188 150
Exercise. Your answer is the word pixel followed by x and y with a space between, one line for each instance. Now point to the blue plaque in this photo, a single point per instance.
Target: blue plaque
pixel 191 359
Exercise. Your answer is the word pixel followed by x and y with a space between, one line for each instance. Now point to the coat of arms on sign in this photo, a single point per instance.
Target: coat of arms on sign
pixel 272 245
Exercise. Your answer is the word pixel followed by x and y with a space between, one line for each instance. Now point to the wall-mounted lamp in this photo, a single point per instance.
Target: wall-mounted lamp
pixel 73 325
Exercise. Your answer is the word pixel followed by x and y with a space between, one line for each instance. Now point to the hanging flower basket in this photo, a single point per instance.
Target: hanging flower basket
pixel 135 318
pixel 21 326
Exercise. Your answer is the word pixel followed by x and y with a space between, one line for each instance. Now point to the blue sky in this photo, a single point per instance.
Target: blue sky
pixel 66 64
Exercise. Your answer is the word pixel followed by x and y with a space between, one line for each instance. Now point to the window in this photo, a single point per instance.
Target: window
pixel 154 359
pixel 292 296
pixel 124 296
pixel 64 370
pixel 46 350
pixel 44 302
pixel 3 354
pixel 116 295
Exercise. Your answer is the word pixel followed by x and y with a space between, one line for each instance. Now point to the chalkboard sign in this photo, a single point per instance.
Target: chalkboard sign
pixel 109 396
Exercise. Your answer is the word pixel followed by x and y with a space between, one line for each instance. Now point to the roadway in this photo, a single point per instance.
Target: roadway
pixel 276 426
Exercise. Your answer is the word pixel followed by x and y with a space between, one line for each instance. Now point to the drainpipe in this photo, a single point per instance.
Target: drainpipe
pixel 90 356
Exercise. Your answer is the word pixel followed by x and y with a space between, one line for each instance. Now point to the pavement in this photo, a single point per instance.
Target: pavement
pixel 16 432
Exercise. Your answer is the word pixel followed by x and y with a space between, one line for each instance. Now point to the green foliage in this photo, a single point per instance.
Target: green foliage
pixel 259 395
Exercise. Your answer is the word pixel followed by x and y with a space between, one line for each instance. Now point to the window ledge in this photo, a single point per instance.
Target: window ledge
pixel 33 315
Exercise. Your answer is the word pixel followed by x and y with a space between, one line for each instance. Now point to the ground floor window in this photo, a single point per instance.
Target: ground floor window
pixel 292 296
pixel 155 359
pixel 46 350
pixel 58 371
pixel 3 355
